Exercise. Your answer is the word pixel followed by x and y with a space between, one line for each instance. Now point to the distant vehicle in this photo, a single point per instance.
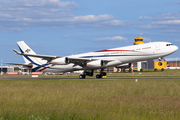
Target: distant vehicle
pixel 59 73
pixel 23 73
pixel 90 61
pixel 50 73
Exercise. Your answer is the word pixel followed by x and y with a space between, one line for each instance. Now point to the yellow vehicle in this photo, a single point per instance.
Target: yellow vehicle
pixel 160 65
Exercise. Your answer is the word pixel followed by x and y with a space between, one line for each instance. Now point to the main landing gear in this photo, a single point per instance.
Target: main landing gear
pixel 82 76
pixel 90 73
pixel 100 75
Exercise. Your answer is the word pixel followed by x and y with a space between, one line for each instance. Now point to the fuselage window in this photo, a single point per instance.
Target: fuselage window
pixel 138 49
pixel 146 48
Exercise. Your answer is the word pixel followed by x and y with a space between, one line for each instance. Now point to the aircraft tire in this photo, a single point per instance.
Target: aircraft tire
pixel 98 76
pixel 103 74
pixel 91 74
pixel 82 76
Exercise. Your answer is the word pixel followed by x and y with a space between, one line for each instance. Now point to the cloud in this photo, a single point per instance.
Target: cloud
pixel 115 38
pixel 145 18
pixel 165 22
pixel 92 18
pixel 168 16
pixel 16 4
pixel 22 14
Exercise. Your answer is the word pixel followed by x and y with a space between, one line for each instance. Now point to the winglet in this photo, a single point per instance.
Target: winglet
pixel 17 52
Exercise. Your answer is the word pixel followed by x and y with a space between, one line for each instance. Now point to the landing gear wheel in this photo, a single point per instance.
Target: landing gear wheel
pixel 103 74
pixel 91 74
pixel 82 76
pixel 98 76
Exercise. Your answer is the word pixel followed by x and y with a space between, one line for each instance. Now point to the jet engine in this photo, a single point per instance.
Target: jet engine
pixel 60 61
pixel 96 63
pixel 126 65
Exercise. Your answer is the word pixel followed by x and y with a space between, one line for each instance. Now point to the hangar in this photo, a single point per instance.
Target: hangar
pixel 6 69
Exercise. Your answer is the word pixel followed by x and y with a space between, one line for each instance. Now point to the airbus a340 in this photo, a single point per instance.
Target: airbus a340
pixel 94 60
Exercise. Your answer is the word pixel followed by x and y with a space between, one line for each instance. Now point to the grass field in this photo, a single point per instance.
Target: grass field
pixel 89 100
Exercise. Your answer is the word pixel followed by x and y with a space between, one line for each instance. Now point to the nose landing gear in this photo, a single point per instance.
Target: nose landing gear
pixel 160 63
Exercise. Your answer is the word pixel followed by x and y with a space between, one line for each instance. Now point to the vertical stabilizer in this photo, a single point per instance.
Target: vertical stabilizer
pixel 24 48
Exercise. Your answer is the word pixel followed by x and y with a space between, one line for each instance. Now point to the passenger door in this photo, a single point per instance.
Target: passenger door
pixel 157 47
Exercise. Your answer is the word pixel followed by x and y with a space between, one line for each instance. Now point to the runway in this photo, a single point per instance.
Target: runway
pixel 89 79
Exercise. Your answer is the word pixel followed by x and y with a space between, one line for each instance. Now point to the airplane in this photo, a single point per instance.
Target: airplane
pixel 90 61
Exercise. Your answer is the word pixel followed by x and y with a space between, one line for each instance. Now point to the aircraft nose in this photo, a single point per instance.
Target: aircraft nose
pixel 175 48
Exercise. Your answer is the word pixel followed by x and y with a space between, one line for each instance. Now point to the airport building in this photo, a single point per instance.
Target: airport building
pixel 6 69
pixel 150 64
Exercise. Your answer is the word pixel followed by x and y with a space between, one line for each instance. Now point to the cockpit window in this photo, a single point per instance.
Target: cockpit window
pixel 169 44
pixel 138 40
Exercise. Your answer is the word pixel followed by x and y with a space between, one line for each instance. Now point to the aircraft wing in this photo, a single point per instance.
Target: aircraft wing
pixel 45 57
pixel 83 61
pixel 80 61
pixel 76 61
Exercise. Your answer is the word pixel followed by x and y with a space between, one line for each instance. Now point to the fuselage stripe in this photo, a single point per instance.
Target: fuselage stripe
pixel 38 65
pixel 112 55
pixel 116 51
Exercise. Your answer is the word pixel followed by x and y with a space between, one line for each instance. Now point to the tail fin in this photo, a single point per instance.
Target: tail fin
pixel 24 48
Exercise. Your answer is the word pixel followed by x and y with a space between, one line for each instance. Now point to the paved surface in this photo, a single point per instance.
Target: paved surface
pixel 89 78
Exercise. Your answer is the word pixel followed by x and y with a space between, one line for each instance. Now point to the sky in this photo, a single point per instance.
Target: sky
pixel 67 27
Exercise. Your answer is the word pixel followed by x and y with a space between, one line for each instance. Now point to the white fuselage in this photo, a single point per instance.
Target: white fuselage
pixel 115 56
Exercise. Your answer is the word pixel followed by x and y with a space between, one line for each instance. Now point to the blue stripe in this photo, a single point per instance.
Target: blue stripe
pixel 44 65
pixel 39 66
pixel 28 58
pixel 110 56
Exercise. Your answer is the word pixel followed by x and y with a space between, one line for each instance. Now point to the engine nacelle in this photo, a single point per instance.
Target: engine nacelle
pixel 96 63
pixel 126 65
pixel 60 61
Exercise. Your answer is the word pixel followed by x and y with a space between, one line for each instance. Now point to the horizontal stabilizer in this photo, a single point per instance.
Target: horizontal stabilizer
pixel 17 52
pixel 24 65
pixel 45 57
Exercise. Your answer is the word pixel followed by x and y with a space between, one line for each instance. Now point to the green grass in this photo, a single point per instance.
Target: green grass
pixel 89 100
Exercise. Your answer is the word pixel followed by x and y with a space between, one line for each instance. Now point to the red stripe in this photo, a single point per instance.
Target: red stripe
pixel 46 68
pixel 114 50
